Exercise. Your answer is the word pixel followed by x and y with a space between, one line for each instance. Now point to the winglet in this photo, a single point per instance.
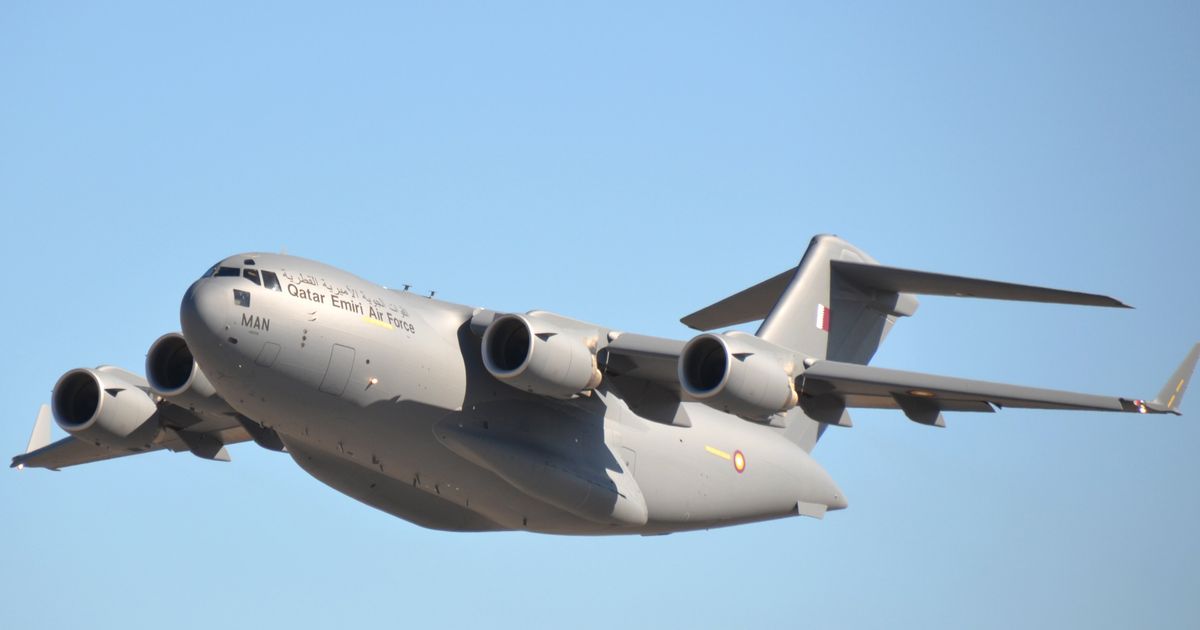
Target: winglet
pixel 1171 396
pixel 40 438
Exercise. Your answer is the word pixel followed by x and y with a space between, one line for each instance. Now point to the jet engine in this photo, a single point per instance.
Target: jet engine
pixel 173 373
pixel 533 354
pixel 738 373
pixel 102 407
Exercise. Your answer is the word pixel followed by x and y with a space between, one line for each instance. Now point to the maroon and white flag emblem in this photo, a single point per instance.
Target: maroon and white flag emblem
pixel 823 317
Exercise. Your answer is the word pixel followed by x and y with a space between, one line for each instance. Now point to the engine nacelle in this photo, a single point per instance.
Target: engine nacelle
pixel 101 407
pixel 533 354
pixel 173 373
pixel 738 373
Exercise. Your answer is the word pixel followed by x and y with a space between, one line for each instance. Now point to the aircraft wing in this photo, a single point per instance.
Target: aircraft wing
pixel 654 359
pixel 71 451
pixel 922 397
pixel 827 388
pixel 183 430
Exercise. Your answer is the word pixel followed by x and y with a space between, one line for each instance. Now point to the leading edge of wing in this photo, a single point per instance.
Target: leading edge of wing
pixel 643 356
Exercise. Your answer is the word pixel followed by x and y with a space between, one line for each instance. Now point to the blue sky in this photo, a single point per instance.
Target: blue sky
pixel 625 164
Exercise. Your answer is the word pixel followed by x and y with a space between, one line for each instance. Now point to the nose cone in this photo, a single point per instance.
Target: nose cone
pixel 203 314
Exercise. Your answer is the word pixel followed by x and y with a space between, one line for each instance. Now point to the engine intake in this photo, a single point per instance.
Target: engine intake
pixel 101 407
pixel 173 373
pixel 538 356
pixel 738 373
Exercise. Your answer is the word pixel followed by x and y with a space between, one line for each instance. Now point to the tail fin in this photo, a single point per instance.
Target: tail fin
pixel 825 317
pixel 813 309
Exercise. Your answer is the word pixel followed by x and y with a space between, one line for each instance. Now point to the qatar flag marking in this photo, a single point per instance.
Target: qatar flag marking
pixel 823 317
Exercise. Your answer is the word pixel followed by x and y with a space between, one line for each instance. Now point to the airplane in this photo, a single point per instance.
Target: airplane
pixel 469 420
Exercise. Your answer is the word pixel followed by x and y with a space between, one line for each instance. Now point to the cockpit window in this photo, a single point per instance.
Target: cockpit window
pixel 228 271
pixel 241 298
pixel 251 275
pixel 271 281
pixel 211 270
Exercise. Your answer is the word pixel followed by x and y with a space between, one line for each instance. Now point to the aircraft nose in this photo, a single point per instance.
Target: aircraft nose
pixel 203 312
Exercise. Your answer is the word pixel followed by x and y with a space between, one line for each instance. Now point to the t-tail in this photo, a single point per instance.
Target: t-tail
pixel 817 308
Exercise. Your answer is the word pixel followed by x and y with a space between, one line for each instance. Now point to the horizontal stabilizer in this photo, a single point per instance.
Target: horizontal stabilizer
pixel 749 305
pixel 900 280
pixel 756 302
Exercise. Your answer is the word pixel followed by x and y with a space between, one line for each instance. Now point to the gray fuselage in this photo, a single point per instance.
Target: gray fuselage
pixel 382 395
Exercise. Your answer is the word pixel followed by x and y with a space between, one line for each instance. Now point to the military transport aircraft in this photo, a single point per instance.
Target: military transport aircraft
pixel 465 419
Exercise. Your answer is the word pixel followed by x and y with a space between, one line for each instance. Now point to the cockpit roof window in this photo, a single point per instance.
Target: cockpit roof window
pixel 228 271
pixel 248 261
pixel 251 275
pixel 271 281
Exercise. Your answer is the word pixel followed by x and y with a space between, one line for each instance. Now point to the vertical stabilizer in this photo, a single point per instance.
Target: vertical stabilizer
pixel 826 316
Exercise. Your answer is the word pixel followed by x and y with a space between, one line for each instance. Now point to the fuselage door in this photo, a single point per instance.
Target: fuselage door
pixel 341 360
pixel 630 459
